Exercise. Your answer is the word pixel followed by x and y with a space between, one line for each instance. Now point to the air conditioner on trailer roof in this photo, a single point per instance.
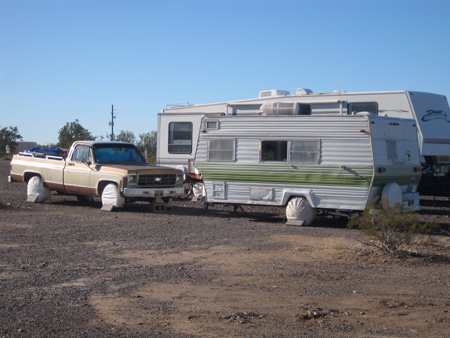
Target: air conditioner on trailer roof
pixel 273 92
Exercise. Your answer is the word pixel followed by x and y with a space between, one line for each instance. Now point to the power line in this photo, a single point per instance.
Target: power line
pixel 149 114
pixel 135 108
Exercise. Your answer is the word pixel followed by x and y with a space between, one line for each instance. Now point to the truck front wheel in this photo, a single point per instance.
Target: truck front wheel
pixel 36 191
pixel 111 196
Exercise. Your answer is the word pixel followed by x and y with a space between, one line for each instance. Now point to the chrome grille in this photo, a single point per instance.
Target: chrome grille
pixel 157 180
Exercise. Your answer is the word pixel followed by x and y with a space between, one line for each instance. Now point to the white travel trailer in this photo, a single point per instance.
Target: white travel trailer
pixel 179 126
pixel 332 164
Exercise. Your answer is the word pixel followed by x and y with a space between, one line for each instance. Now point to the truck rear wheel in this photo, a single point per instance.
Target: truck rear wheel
pixel 36 191
pixel 111 196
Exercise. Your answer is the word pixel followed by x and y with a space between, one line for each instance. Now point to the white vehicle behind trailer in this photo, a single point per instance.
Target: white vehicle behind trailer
pixel 335 164
pixel 179 126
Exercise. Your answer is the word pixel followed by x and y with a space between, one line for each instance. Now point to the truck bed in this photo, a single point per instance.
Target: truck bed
pixel 25 165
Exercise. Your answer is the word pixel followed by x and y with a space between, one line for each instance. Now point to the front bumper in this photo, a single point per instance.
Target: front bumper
pixel 153 193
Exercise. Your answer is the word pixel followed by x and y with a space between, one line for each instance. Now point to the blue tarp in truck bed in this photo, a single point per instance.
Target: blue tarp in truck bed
pixel 45 151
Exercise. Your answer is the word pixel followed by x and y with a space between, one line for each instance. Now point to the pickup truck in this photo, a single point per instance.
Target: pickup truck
pixel 116 171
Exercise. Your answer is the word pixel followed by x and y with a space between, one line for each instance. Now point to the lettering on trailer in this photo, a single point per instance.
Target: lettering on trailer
pixel 435 114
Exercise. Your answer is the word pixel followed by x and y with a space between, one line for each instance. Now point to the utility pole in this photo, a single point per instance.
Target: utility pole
pixel 112 123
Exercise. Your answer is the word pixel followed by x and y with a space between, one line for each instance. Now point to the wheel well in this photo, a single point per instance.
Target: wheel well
pixel 27 176
pixel 101 185
pixel 291 196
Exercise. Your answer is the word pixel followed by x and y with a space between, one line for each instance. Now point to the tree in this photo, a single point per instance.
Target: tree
pixel 72 132
pixel 126 136
pixel 9 137
pixel 147 142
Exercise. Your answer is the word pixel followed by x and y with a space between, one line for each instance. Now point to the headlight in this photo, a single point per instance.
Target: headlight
pixel 132 179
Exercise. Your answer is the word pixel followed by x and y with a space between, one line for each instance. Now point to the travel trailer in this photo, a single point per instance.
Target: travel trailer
pixel 332 164
pixel 179 126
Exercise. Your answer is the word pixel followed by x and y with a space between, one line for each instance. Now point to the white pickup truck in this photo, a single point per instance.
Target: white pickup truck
pixel 116 171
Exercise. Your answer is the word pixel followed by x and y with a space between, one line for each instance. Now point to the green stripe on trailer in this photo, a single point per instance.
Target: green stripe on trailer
pixel 357 176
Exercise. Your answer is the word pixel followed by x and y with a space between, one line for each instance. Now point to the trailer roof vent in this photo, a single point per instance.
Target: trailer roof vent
pixel 273 92
pixel 304 91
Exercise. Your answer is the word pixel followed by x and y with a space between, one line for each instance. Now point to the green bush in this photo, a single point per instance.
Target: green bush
pixel 390 227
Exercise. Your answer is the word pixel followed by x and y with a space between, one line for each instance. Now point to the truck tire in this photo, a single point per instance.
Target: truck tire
pixel 300 212
pixel 111 196
pixel 36 191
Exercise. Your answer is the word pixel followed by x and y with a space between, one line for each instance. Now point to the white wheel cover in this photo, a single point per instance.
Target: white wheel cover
pixel 36 187
pixel 112 196
pixel 391 195
pixel 299 208
pixel 199 189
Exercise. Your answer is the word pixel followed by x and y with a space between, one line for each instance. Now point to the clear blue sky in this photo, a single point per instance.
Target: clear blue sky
pixel 62 60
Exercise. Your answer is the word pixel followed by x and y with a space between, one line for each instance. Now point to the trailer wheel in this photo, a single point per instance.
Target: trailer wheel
pixel 36 191
pixel 300 212
pixel 111 196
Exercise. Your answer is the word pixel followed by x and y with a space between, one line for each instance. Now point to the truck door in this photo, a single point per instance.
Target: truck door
pixel 77 174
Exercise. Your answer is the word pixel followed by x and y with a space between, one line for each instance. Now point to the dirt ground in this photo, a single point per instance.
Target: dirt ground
pixel 72 270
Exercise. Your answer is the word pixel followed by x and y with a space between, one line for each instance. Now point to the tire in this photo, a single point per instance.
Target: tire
pixel 299 211
pixel 36 191
pixel 111 195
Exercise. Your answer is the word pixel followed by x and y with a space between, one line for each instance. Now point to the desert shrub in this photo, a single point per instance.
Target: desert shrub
pixel 390 227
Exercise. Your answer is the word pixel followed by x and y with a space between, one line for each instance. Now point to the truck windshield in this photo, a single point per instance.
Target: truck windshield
pixel 117 153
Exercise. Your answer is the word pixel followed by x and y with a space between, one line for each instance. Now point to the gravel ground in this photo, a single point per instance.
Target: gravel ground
pixel 72 270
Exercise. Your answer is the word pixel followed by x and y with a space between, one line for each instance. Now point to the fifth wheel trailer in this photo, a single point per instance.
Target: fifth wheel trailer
pixel 179 126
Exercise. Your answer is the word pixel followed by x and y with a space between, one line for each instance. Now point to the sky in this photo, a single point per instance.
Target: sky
pixel 67 60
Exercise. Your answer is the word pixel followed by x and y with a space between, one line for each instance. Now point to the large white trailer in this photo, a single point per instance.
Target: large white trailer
pixel 179 126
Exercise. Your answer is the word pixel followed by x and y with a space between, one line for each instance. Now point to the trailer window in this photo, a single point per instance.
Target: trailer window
pixel 356 107
pixel 180 137
pixel 212 125
pixel 274 151
pixel 221 150
pixel 305 151
pixel 302 151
